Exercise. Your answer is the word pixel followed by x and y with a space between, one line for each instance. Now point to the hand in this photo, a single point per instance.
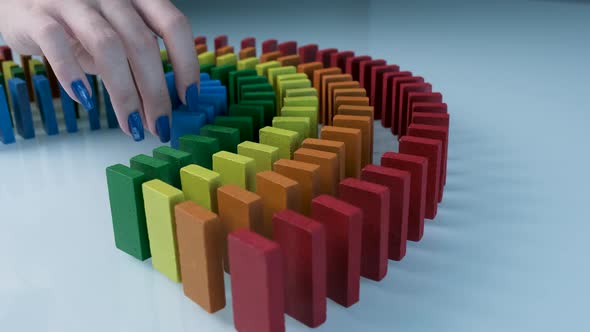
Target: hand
pixel 115 39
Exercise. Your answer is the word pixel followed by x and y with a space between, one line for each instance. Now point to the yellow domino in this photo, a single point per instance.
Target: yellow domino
pixel 199 185
pixel 235 169
pixel 264 155
pixel 249 63
pixel 310 112
pixel 299 124
pixel 309 101
pixel 273 73
pixel 262 68
pixel 304 92
pixel 287 141
pixel 207 58
pixel 285 85
pixel 159 200
pixel 227 59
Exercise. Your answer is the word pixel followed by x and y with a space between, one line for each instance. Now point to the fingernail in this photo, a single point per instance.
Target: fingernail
pixel 83 95
pixel 192 97
pixel 135 126
pixel 163 128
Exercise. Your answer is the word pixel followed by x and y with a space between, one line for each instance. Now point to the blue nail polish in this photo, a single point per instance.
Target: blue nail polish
pixel 163 128
pixel 83 95
pixel 192 97
pixel 135 126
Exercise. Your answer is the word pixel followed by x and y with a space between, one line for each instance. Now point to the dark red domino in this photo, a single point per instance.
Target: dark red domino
pixel 343 223
pixel 429 108
pixel 256 283
pixel 248 42
pixel 325 56
pixel 200 40
pixel 376 97
pixel 220 41
pixel 339 59
pixel 373 200
pixel 433 119
pixel 421 97
pixel 352 65
pixel 365 68
pixel 395 99
pixel 439 133
pixel 405 90
pixel 307 53
pixel 270 45
pixel 288 48
pixel 387 99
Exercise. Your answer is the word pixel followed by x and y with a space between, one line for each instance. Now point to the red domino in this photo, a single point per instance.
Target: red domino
pixel 365 73
pixel 352 65
pixel 256 283
pixel 417 166
pixel 433 119
pixel 339 59
pixel 303 244
pixel 405 90
pixel 432 150
pixel 269 45
pixel 325 56
pixel 377 74
pixel 200 40
pixel 343 223
pixel 248 42
pixel 438 133
pixel 6 53
pixel 220 41
pixel 288 48
pixel 429 107
pixel 420 97
pixel 398 183
pixel 373 200
pixel 394 95
pixel 308 52
pixel 386 95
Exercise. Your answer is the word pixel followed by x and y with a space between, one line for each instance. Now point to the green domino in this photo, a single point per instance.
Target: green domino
pixel 256 88
pixel 310 112
pixel 266 95
pixel 283 86
pixel 247 80
pixel 39 70
pixel 153 168
pixel 128 214
pixel 229 138
pixel 177 159
pixel 168 68
pixel 264 155
pixel 18 72
pixel 269 109
pixel 299 124
pixel 235 169
pixel 262 68
pixel 221 73
pixel 164 55
pixel 242 123
pixel 200 185
pixel 201 147
pixel 206 68
pixel 302 92
pixel 286 140
pixel 249 63
pixel 292 77
pixel 256 112
pixel 273 73
pixel 233 82
pixel 301 101
pixel 206 58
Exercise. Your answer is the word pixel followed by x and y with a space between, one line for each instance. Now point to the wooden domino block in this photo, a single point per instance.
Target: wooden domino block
pixel 249 42
pixel 324 96
pixel 262 68
pixel 349 92
pixel 277 192
pixel 285 84
pixel 417 167
pixel 220 41
pixel 308 68
pixel 238 209
pixel 329 167
pixel 318 74
pixel 405 90
pixel 373 200
pixel 365 68
pixel 343 224
pixel 302 92
pixel 53 82
pixel 263 112
pixel 235 169
pixel 68 107
pixel 273 73
pixel 387 103
pixel 366 111
pixel 45 104
pixel 288 48
pixel 352 101
pixel 243 79
pixel 437 133
pixel 289 60
pixel 248 63
pixel 206 58
pixel 395 94
pixel 257 283
pixel 264 155
pixel 153 168
pixel 159 201
pixel 270 56
pixel 300 125
pixel 6 131
pixel 309 101
pixel 201 147
pixel 199 235
pixel 432 150
pixel 177 160
pixel 420 97
pixel 5 53
pixel 287 141
pixel 127 211
pixel 332 87
pixel 201 48
pixel 248 52
pixel 338 59
pixel 200 40
pixel 325 56
pixel 24 61
pixel 242 123
pixel 226 59
pixel 225 50
pixel 23 118
pixel 229 138
pixel 335 147
pixel 429 108
pixel 199 185
pixel 303 243
pixel 376 93
pixel 308 52
pixel 308 177
pixel 309 112
pixel 364 124
pixel 433 119
pixel 398 183
pixel 352 142
pixel 353 65
pixel 270 45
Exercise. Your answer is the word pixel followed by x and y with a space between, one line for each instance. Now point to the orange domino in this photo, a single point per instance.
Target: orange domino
pixel 352 144
pixel 201 48
pixel 347 100
pixel 364 124
pixel 329 167
pixel 306 174
pixel 329 146
pixel 290 60
pixel 318 74
pixel 360 111
pixel 309 68
pixel 248 52
pixel 335 86
pixel 224 50
pixel 277 192
pixel 270 56
pixel 326 80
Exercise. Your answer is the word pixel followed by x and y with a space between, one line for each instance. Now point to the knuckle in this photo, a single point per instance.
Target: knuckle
pixel 175 21
pixel 49 30
pixel 105 41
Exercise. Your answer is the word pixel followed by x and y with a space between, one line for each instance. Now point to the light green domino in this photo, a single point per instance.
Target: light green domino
pixel 262 68
pixel 164 55
pixel 292 77
pixel 311 101
pixel 227 59
pixel 286 140
pixel 199 185
pixel 159 200
pixel 207 58
pixel 273 73
pixel 264 155
pixel 310 112
pixel 283 86
pixel 303 92
pixel 300 124
pixel 249 63
pixel 235 169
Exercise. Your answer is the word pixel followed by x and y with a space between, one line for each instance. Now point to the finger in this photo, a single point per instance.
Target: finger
pixel 99 38
pixel 144 58
pixel 173 26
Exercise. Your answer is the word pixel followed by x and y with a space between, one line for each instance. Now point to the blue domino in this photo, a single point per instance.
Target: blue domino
pixel 45 104
pixel 68 106
pixel 172 92
pixel 204 77
pixel 21 107
pixel 210 83
pixel 6 131
pixel 183 123
pixel 93 115
pixel 209 112
pixel 111 117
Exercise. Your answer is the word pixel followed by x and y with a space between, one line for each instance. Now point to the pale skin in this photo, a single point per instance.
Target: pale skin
pixel 115 39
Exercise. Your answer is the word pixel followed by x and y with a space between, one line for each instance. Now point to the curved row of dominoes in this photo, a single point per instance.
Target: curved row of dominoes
pixel 248 186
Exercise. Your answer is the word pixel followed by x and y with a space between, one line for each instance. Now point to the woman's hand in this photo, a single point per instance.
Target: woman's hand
pixel 115 39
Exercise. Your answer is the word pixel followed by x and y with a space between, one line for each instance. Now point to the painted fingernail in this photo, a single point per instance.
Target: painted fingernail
pixel 83 95
pixel 163 128
pixel 135 126
pixel 192 97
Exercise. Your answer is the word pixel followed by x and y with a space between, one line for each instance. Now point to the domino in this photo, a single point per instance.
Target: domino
pixel 25 62
pixel 263 67
pixel 21 107
pixel 254 112
pixel 308 52
pixel 264 155
pixel 45 103
pixel 200 40
pixel 364 111
pixel 433 119
pixel 248 42
pixel 287 141
pixel 420 97
pixel 270 56
pixel 396 97
pixel 172 92
pixel 308 177
pixel 308 112
pixel 405 115
pixel 229 138
pixel 326 81
pixel 352 101
pixel 302 92
pixel 53 82
pixel 6 131
pixel 335 147
pixel 388 119
pixel 273 73
pixel 338 59
pixel 351 87
pixel 278 193
pixel 185 123
pixel 285 85
pixel 245 78
pixel 289 60
pixel 68 108
pixel 264 87
pixel 325 56
pixel 308 68
pixel 153 168
pixel 200 185
pixel 436 133
pixel 246 53
pixel 224 51
pixel 94 114
pixel 300 125
pixel 227 59
pixel 206 59
pixel 329 168
pixel 222 73
pixel 242 123
pixel 364 124
pixel 268 108
pixel 377 95
pixel 429 108
pixel 352 141
pixel 248 63
pixel 235 169
pixel 288 48
pixel 318 75
pixel 220 41
pixel 202 149
pixel 270 45
pixel 177 160
pixel 353 66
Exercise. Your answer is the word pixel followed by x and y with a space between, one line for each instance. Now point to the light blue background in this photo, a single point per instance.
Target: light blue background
pixel 508 250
